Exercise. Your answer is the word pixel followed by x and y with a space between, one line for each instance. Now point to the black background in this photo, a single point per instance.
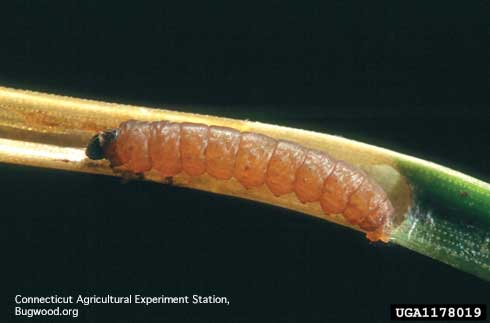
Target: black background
pixel 410 76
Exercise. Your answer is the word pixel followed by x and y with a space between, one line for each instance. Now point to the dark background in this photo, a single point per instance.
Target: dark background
pixel 410 76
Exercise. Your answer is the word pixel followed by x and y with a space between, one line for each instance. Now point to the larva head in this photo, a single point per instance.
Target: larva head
pixel 102 145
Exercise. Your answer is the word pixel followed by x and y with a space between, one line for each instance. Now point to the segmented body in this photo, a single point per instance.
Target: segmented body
pixel 254 160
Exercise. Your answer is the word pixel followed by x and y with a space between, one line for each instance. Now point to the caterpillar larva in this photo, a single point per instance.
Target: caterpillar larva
pixel 251 158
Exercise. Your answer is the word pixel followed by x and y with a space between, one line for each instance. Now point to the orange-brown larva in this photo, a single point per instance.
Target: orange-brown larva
pixel 254 160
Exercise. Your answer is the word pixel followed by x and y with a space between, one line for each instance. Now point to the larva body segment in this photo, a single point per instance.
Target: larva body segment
pixel 364 201
pixel 193 144
pixel 338 188
pixel 375 222
pixel 252 159
pixel 221 152
pixel 132 148
pixel 165 148
pixel 374 218
pixel 253 156
pixel 311 175
pixel 284 163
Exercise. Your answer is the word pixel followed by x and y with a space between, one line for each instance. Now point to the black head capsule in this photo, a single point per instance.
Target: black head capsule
pixel 98 144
